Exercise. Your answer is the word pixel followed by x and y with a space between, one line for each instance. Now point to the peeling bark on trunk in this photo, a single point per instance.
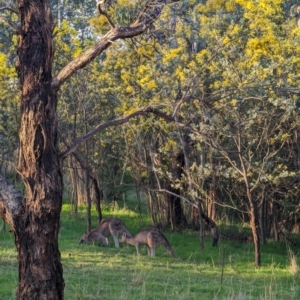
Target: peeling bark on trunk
pixel 36 236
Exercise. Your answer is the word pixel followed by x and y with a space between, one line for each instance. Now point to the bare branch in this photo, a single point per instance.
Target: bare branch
pixel 9 9
pixel 184 99
pixel 149 14
pixel 112 123
pixel 151 11
pixel 176 195
pixel 14 26
pixel 11 24
pixel 102 12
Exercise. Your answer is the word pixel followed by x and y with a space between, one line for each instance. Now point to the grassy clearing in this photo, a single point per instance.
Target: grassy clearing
pixel 95 272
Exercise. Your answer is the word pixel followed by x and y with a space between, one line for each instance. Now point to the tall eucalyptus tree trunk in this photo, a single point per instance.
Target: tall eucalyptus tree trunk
pixel 37 236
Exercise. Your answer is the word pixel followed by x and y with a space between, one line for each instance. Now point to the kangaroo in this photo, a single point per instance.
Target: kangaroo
pixel 109 226
pixel 215 235
pixel 151 237
pixel 213 229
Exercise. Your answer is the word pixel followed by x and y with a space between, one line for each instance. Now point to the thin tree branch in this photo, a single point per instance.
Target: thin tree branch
pixel 149 14
pixel 14 26
pixel 112 123
pixel 184 99
pixel 102 12
pixel 176 195
pixel 11 24
pixel 9 8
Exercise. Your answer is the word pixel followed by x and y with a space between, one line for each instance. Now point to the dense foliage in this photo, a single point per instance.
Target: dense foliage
pixel 226 70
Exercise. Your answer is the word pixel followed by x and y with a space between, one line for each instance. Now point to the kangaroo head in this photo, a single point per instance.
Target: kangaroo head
pixel 123 237
pixel 84 238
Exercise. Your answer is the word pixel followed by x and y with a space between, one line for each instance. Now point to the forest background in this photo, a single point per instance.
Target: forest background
pixel 224 77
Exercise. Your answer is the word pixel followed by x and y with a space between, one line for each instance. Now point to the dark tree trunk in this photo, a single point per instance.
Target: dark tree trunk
pixel 195 217
pixel 99 197
pixel 175 211
pixel 201 225
pixel 263 219
pixel 36 236
pixel 275 221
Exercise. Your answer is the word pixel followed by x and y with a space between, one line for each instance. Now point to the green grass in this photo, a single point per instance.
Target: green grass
pixel 95 272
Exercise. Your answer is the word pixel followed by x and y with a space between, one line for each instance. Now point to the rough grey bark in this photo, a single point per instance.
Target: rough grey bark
pixel 36 238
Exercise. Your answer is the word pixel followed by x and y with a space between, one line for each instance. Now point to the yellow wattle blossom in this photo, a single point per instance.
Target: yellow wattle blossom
pixel 172 54
pixel 233 102
pixel 123 2
pixel 142 69
pixel 230 5
pixel 129 89
pixel 202 56
pixel 151 85
pixel 180 73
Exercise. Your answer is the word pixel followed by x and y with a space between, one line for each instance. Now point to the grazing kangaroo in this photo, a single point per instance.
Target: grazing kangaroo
pixel 151 237
pixel 109 226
